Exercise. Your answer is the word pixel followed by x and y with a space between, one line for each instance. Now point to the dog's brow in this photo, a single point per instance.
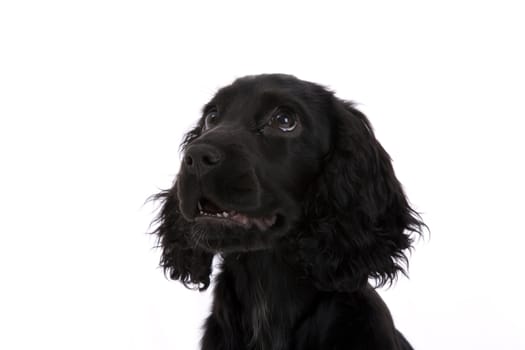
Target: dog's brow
pixel 208 106
pixel 274 95
pixel 272 99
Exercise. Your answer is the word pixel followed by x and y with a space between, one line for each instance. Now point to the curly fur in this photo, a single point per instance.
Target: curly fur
pixel 305 283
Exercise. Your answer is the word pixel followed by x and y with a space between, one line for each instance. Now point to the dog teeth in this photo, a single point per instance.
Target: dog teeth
pixel 219 215
pixel 261 223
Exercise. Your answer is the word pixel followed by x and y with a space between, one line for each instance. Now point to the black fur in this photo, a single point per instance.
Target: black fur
pixel 341 219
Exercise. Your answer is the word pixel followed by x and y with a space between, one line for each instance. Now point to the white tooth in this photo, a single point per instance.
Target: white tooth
pixel 199 206
pixel 224 214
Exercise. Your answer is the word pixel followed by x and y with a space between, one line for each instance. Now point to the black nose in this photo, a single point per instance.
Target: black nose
pixel 199 159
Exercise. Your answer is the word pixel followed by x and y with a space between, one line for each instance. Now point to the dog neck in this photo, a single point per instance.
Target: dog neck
pixel 264 287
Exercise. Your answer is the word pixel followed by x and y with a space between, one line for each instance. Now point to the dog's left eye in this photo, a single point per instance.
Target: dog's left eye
pixel 283 120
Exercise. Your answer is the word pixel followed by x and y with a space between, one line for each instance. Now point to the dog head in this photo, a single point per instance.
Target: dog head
pixel 276 161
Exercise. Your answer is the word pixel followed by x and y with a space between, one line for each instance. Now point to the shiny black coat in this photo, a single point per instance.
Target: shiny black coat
pixel 288 185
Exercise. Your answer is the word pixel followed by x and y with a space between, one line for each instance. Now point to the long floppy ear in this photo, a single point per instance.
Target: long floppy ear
pixel 360 220
pixel 180 259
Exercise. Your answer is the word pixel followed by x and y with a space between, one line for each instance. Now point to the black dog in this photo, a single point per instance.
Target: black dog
pixel 289 186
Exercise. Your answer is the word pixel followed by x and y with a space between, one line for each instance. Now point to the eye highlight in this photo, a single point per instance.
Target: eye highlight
pixel 211 118
pixel 283 119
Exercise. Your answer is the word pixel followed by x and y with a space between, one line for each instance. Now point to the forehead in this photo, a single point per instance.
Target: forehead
pixel 262 90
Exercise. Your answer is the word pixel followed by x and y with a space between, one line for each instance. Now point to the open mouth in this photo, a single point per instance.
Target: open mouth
pixel 209 210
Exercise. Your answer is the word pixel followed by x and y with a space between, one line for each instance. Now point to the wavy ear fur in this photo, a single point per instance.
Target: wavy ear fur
pixel 361 222
pixel 180 259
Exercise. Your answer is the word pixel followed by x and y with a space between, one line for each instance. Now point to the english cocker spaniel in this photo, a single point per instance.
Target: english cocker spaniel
pixel 288 185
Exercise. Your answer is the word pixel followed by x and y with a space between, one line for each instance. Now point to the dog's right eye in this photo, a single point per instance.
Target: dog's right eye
pixel 211 118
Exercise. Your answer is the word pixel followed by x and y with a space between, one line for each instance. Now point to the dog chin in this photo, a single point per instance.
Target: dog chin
pixel 226 238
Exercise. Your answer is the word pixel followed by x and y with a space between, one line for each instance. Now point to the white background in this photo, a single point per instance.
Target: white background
pixel 96 95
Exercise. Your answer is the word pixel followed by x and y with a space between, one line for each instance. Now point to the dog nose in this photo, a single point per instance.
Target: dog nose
pixel 199 159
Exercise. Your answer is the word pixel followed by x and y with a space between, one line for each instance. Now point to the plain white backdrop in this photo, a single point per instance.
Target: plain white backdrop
pixel 95 97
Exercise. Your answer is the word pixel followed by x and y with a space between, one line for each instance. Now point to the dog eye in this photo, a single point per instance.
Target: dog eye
pixel 283 120
pixel 211 119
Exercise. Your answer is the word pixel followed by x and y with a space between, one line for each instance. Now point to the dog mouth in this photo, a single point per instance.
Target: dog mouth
pixel 208 210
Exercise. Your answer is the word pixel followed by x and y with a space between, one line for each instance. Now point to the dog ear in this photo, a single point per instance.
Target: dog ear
pixel 360 220
pixel 180 259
